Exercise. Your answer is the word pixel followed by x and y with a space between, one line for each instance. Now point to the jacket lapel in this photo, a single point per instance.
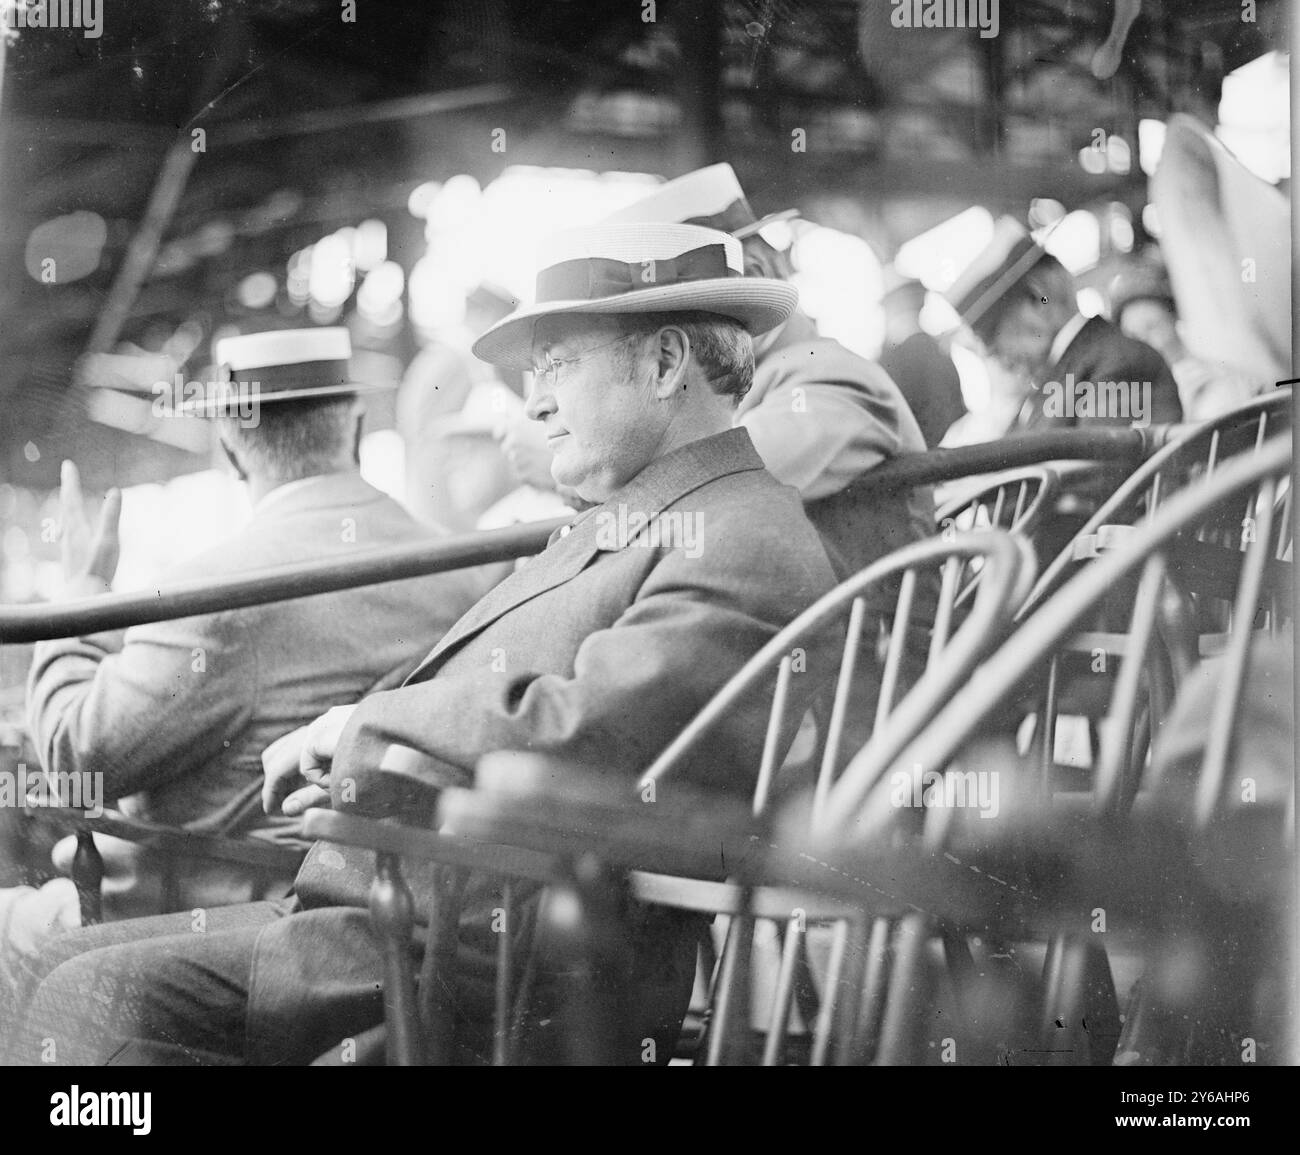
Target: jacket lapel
pixel 1079 351
pixel 567 554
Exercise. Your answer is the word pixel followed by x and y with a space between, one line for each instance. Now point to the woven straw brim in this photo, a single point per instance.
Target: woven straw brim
pixel 756 303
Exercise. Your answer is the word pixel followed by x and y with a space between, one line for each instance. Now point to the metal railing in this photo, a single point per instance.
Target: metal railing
pixel 1127 446
pixel 41 621
pixel 37 622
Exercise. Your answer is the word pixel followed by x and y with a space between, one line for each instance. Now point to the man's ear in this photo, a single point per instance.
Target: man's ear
pixel 233 458
pixel 674 354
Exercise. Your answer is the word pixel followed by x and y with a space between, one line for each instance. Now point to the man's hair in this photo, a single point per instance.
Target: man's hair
pixel 1046 284
pixel 293 439
pixel 722 347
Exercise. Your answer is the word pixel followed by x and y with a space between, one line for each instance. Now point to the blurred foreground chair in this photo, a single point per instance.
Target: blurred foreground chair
pixel 1016 501
pixel 1199 880
pixel 599 844
pixel 1187 453
pixel 1200 581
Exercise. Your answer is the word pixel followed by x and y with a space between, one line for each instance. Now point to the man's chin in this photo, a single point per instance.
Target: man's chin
pixel 567 483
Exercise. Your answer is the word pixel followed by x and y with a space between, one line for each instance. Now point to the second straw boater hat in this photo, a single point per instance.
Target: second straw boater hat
pixel 613 269
pixel 711 197
pixel 995 271
pixel 282 365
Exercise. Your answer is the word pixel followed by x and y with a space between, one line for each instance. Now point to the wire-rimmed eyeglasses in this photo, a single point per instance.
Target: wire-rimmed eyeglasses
pixel 547 373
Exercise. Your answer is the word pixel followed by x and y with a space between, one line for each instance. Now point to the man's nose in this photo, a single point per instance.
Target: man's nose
pixel 540 403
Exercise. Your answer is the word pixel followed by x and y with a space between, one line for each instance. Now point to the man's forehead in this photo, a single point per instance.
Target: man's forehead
pixel 570 329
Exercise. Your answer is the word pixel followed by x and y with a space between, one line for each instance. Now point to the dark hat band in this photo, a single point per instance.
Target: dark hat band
pixel 735 216
pixel 273 379
pixel 1023 257
pixel 598 278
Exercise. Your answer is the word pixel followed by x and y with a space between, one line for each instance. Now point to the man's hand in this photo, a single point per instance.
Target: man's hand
pixel 87 553
pixel 302 755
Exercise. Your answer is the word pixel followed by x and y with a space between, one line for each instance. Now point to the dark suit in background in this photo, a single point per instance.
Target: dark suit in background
pixel 928 380
pixel 1101 352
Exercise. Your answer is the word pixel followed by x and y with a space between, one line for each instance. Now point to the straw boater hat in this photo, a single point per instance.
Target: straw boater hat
pixel 282 365
pixel 614 269
pixel 1002 265
pixel 711 197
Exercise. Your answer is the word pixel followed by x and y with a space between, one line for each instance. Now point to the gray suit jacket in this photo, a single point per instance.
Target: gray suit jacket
pixel 821 416
pixel 175 714
pixel 597 651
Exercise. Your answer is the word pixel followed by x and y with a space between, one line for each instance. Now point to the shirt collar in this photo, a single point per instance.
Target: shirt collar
pixel 288 489
pixel 668 479
pixel 1068 332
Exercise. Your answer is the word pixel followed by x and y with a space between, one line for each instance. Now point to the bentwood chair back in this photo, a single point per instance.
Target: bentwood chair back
pixel 1050 863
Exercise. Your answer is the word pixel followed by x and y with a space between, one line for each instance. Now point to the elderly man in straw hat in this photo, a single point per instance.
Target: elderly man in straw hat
pixel 596 652
pixel 819 415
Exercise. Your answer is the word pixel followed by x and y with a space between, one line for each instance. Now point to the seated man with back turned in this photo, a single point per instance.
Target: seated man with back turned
pixel 174 715
pixel 598 651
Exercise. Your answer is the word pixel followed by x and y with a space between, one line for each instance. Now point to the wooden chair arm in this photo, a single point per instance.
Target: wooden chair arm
pixel 178 842
pixel 455 850
pixel 1079 861
pixel 569 811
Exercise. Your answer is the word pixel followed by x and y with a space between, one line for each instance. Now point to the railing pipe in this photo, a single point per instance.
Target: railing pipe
pixel 33 623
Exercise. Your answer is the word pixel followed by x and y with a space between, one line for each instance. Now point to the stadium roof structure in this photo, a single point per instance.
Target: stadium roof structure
pixel 193 143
